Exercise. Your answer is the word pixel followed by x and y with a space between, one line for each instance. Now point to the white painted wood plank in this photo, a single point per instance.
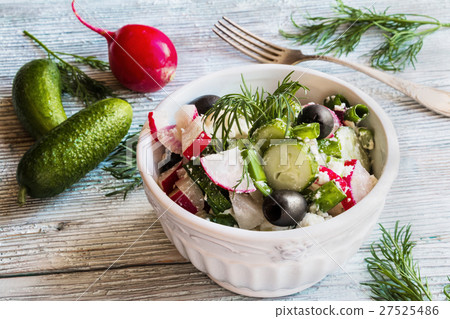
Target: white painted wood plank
pixel 94 230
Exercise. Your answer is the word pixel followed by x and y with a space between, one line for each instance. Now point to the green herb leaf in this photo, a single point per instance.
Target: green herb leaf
pixel 341 34
pixel 74 81
pixel 122 166
pixel 223 219
pixel 447 290
pixel 256 108
pixel 396 277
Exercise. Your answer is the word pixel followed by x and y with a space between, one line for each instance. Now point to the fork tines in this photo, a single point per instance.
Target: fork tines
pixel 247 42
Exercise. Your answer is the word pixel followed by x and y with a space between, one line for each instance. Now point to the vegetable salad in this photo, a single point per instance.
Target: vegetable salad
pixel 264 161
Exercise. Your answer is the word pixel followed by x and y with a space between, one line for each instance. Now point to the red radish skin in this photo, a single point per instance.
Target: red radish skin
pixel 333 176
pixel 168 178
pixel 142 58
pixel 337 123
pixel 359 180
pixel 194 139
pixel 225 169
pixel 156 121
pixel 182 200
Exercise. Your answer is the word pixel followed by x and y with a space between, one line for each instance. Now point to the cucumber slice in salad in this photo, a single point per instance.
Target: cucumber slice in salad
pixel 350 146
pixel 290 165
pixel 275 129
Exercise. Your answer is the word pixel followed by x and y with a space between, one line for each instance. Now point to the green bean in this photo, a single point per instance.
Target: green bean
pixel 356 113
pixel 256 171
pixel 330 147
pixel 328 196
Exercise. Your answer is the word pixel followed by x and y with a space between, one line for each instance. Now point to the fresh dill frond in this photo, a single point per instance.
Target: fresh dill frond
pixel 91 60
pixel 74 81
pixel 122 166
pixel 341 34
pixel 447 290
pixel 255 107
pixel 396 276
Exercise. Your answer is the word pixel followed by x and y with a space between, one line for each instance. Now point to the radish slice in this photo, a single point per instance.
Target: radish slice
pixel 358 179
pixel 337 124
pixel 185 115
pixel 156 121
pixel 187 194
pixel 168 137
pixel 326 175
pixel 194 139
pixel 247 209
pixel 168 178
pixel 182 200
pixel 226 169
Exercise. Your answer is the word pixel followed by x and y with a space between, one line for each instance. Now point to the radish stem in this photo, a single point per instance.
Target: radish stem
pixel 107 34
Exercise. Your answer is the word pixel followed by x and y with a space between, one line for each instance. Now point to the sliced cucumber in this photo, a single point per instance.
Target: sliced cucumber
pixel 350 146
pixel 290 166
pixel 273 130
pixel 366 138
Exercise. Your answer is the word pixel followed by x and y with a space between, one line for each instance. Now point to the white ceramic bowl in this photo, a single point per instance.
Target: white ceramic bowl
pixel 271 264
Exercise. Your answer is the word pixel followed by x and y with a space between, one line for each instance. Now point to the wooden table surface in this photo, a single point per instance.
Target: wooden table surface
pixel 83 245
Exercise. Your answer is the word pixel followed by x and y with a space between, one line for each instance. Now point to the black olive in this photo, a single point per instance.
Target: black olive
pixel 168 160
pixel 285 208
pixel 315 113
pixel 204 103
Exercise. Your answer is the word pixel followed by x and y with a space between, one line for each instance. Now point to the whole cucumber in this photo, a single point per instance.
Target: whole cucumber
pixel 36 96
pixel 72 149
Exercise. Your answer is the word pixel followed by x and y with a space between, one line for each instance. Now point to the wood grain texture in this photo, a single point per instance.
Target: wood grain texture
pixel 56 248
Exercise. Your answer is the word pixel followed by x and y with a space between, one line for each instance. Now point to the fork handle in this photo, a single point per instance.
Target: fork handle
pixel 434 99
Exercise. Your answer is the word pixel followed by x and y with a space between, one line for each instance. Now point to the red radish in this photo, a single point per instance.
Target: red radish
pixel 141 57
pixel 194 139
pixel 226 170
pixel 187 194
pixel 247 209
pixel 168 136
pixel 182 200
pixel 156 121
pixel 358 179
pixel 168 178
pixel 185 115
pixel 337 123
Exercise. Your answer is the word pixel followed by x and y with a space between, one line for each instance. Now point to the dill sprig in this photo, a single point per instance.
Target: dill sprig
pixel 447 290
pixel 91 60
pixel 74 81
pixel 122 165
pixel 396 275
pixel 256 108
pixel 341 34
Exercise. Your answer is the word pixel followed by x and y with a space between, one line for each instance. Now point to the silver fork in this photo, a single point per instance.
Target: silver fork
pixel 266 52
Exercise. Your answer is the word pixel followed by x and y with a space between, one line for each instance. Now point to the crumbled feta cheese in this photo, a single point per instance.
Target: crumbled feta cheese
pixel 323 178
pixel 314 148
pixel 336 166
pixel 340 107
pixel 311 219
